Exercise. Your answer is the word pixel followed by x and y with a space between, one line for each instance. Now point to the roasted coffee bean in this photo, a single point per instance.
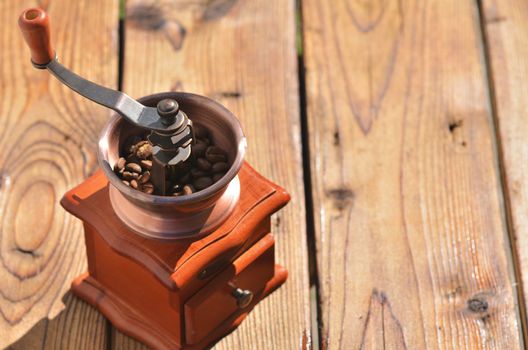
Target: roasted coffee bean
pixel 119 165
pixel 204 141
pixel 177 194
pixel 133 167
pixel 141 143
pixel 186 178
pixel 215 154
pixel 188 189
pixel 145 177
pixel 144 151
pixel 219 167
pixel 215 150
pixel 200 131
pixel 203 164
pixel 196 173
pixel 207 165
pixel 215 158
pixel 202 182
pixel 146 164
pixel 132 158
pixel 198 149
pixel 136 146
pixel 218 176
pixel 131 143
pixel 127 175
pixel 148 188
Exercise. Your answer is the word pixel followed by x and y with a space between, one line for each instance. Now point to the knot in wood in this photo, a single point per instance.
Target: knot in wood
pixel 477 305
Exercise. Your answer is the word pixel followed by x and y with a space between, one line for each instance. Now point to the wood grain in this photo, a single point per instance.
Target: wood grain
pixel 78 326
pixel 48 141
pixel 412 245
pixel 241 53
pixel 505 24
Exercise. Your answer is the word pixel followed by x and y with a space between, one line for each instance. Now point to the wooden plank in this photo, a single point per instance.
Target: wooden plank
pixel 78 326
pixel 412 244
pixel 122 341
pixel 505 24
pixel 241 53
pixel 48 137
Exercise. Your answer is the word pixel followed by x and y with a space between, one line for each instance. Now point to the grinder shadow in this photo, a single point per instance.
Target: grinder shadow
pixel 79 325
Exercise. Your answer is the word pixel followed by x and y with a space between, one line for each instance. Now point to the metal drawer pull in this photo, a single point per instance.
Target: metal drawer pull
pixel 243 297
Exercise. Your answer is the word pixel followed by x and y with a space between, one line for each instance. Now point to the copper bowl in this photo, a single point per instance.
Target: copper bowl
pixel 167 217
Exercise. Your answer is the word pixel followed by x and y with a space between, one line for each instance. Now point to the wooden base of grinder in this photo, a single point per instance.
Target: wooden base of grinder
pixel 179 294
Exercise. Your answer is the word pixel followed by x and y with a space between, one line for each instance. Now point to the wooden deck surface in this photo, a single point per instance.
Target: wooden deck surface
pixel 398 126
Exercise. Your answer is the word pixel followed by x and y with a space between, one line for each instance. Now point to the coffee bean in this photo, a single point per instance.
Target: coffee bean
pixel 199 149
pixel 196 173
pixel 144 151
pixel 131 143
pixel 145 177
pixel 202 182
pixel 133 167
pixel 146 164
pixel 219 167
pixel 200 131
pixel 177 194
pixel 131 158
pixel 141 143
pixel 119 165
pixel 188 189
pixel 215 150
pixel 127 175
pixel 203 164
pixel 186 178
pixel 205 141
pixel 218 176
pixel 148 188
pixel 207 165
pixel 215 154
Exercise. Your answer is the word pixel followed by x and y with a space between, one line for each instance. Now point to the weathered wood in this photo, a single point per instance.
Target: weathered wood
pixel 122 341
pixel 78 326
pixel 48 141
pixel 412 244
pixel 241 53
pixel 506 24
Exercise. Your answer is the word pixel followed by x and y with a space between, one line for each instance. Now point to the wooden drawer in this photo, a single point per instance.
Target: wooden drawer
pixel 215 302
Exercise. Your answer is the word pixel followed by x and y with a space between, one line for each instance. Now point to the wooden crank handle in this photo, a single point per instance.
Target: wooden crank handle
pixel 35 26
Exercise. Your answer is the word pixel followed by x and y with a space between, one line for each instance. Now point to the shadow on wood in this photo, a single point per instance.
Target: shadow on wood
pixel 78 326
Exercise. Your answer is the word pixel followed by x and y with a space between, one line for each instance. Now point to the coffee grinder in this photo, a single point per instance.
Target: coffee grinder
pixel 174 271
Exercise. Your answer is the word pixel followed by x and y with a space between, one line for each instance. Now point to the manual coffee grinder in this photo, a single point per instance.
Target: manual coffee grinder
pixel 175 271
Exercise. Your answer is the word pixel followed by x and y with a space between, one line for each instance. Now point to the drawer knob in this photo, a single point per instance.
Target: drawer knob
pixel 243 297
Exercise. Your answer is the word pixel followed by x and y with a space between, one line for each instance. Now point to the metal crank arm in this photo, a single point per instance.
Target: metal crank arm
pixel 132 110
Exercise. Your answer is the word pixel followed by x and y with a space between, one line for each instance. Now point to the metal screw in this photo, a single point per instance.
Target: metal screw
pixel 167 110
pixel 243 297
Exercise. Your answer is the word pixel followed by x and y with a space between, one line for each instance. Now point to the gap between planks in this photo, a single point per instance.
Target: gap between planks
pixel 315 297
pixel 516 266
